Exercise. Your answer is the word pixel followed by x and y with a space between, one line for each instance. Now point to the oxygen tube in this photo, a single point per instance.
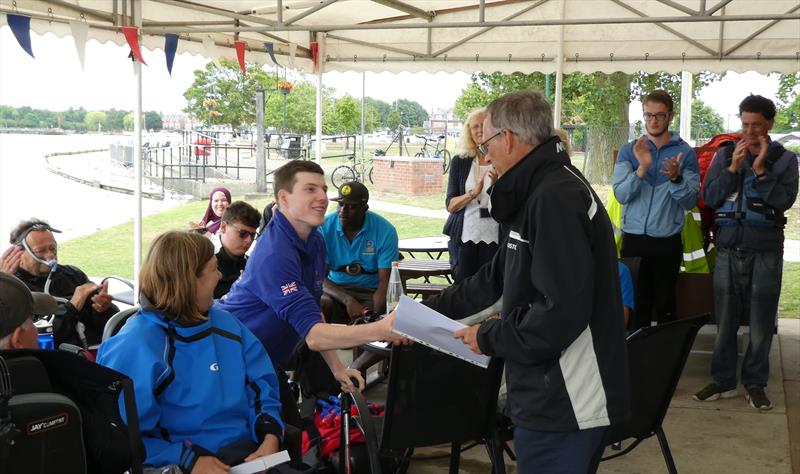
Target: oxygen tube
pixel 52 263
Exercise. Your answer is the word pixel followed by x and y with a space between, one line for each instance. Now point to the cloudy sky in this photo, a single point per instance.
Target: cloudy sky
pixel 55 80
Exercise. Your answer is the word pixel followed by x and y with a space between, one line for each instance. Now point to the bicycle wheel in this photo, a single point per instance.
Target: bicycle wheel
pixel 445 155
pixel 421 154
pixel 369 176
pixel 342 174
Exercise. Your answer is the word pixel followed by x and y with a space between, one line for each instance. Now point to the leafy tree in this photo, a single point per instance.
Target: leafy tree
pixel 95 118
pixel 599 101
pixel 787 118
pixel 381 109
pixel 705 121
pixel 411 113
pixel 152 120
pixel 115 120
pixel 393 120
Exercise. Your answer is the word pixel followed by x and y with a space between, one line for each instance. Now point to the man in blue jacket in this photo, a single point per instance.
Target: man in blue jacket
pixel 749 185
pixel 656 180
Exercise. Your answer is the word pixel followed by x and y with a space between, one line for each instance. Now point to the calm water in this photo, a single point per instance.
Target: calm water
pixel 27 189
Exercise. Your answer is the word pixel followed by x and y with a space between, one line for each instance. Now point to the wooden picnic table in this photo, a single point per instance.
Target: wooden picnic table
pixel 411 268
pixel 434 247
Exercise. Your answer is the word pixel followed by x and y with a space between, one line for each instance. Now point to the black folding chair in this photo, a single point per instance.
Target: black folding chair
pixel 432 398
pixel 67 412
pixel 656 358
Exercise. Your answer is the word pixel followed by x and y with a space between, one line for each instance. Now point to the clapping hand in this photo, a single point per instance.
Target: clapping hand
pixel 672 167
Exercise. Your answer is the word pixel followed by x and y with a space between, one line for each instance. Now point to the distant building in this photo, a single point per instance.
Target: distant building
pixel 179 122
pixel 443 121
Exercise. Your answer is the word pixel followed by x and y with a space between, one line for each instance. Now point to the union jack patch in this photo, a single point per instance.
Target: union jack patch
pixel 288 288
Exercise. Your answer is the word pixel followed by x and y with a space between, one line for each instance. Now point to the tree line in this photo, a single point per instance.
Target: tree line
pixel 79 120
pixel 225 96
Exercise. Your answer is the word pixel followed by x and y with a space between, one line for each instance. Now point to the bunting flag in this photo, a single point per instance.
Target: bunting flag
pixel 315 54
pixel 271 51
pixel 80 32
pixel 211 51
pixel 240 45
pixel 132 37
pixel 292 54
pixel 170 47
pixel 21 27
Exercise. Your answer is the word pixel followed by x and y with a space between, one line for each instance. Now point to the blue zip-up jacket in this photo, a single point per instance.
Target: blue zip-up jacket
pixel 278 296
pixel 198 388
pixel 654 205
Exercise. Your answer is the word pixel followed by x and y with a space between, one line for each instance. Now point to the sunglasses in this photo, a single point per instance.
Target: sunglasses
pixel 244 233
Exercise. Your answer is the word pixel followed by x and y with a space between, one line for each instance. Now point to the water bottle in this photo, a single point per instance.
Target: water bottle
pixel 45 336
pixel 395 289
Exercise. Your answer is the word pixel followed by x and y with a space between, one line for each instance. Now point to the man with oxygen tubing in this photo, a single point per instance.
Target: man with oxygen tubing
pixel 33 258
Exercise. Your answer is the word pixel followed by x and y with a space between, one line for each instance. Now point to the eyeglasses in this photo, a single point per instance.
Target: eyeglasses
pixel 483 148
pixel 244 233
pixel 661 116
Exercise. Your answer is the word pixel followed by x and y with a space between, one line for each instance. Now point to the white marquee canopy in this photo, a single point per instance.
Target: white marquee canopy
pixel 458 35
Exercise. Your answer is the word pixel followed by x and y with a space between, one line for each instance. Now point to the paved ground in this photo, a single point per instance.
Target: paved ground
pixel 726 436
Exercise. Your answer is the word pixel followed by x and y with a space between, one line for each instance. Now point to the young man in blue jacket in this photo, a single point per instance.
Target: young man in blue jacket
pixel 749 185
pixel 278 296
pixel 656 180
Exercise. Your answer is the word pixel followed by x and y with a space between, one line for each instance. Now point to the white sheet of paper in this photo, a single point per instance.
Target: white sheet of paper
pixel 261 464
pixel 426 326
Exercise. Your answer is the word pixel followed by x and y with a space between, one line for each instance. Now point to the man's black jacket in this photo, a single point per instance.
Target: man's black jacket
pixel 63 283
pixel 561 328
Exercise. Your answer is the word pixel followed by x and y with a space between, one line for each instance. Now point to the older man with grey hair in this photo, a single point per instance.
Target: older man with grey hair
pixel 561 326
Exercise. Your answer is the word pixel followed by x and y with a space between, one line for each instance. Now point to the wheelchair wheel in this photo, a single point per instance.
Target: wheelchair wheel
pixel 342 174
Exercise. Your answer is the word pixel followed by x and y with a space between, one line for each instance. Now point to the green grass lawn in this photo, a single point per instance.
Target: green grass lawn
pixel 789 306
pixel 110 251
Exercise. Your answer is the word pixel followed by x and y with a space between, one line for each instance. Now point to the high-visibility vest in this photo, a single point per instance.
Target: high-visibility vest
pixel 694 255
pixel 614 210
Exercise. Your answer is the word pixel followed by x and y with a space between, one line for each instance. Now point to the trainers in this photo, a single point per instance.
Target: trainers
pixel 713 392
pixel 758 399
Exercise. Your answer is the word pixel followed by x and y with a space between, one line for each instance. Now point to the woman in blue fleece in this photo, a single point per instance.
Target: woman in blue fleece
pixel 206 392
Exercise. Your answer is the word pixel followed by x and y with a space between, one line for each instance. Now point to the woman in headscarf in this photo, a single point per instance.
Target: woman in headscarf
pixel 474 235
pixel 218 200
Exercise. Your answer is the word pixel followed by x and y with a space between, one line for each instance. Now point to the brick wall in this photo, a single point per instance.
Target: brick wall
pixel 409 176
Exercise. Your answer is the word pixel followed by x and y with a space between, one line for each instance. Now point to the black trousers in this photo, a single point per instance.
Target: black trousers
pixel 471 257
pixel 658 274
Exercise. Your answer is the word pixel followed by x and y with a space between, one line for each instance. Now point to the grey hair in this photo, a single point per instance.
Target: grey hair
pixel 526 113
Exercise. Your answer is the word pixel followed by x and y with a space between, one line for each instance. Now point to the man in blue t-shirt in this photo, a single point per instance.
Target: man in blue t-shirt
pixel 626 287
pixel 361 246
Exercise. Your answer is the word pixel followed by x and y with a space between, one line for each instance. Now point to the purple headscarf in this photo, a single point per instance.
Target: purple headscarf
pixel 210 220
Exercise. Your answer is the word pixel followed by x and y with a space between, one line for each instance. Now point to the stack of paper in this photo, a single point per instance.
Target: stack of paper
pixel 426 326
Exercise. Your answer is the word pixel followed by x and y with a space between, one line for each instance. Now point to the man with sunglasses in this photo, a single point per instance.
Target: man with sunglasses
pixel 361 246
pixel 33 259
pixel 236 234
pixel 657 182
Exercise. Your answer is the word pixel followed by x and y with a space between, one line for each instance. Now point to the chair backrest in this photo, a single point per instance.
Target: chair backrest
pixel 656 358
pixel 115 323
pixel 434 398
pixel 111 444
pixel 47 426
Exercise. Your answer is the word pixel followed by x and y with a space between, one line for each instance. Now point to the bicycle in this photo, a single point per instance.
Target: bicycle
pixel 346 173
pixel 439 151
